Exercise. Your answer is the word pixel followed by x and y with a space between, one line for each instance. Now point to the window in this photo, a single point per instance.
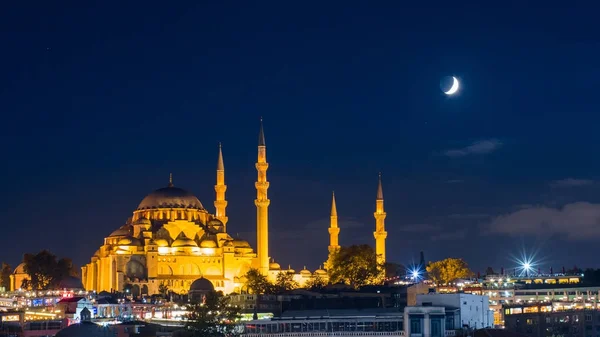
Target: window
pixel 415 325
pixel 588 317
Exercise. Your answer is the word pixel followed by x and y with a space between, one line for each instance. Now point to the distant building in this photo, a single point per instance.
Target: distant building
pixel 544 319
pixel 473 309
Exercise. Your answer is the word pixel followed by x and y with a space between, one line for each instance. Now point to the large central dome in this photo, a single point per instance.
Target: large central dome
pixel 170 197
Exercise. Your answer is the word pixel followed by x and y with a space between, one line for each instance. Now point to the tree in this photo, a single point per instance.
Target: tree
pixel 45 271
pixel 356 265
pixel 394 270
pixel 214 317
pixel 163 289
pixel 5 276
pixel 448 270
pixel 257 283
pixel 316 283
pixel 285 282
pixel 490 271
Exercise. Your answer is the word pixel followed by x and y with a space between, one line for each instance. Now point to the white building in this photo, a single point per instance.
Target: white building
pixel 474 311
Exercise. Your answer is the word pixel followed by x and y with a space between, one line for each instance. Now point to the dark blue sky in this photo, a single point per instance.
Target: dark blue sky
pixel 101 101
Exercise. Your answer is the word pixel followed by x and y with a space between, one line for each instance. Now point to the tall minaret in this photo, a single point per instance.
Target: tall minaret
pixel 220 188
pixel 334 230
pixel 262 205
pixel 380 233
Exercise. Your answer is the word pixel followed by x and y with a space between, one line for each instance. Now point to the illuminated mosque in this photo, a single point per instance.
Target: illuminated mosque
pixel 172 240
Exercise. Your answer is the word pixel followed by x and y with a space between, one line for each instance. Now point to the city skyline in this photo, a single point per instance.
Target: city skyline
pixel 98 115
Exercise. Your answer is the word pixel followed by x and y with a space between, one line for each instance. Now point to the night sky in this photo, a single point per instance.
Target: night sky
pixel 100 102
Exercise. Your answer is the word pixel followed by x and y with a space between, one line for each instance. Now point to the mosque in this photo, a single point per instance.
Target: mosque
pixel 172 240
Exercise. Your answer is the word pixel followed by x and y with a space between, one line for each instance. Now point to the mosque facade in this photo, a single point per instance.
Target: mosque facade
pixel 172 240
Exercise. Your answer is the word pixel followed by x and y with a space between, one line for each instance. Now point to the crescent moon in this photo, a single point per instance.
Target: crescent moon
pixel 454 87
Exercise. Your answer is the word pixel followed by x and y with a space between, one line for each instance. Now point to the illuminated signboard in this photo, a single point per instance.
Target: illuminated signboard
pixel 10 318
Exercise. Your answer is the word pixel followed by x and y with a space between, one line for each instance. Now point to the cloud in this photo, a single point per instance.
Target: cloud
pixel 468 215
pixel 575 221
pixel 454 181
pixel 420 228
pixel 456 235
pixel 571 182
pixel 476 148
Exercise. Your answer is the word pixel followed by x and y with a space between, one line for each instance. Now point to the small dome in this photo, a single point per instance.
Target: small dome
pixel 274 266
pixel 70 282
pixel 208 243
pixel 184 242
pixel 129 241
pixel 305 272
pixel 320 272
pixel 161 242
pixel 214 222
pixel 125 230
pixel 241 244
pixel 202 284
pixel 142 221
pixel 125 242
pixel 170 197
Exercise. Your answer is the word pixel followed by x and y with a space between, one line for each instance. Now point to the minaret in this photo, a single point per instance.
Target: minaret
pixel 380 233
pixel 262 205
pixel 220 188
pixel 334 230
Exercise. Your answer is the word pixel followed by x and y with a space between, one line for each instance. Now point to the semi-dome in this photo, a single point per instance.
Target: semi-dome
pixel 170 197
pixel 274 266
pixel 125 230
pixel 161 242
pixel 305 272
pixel 184 242
pixel 208 243
pixel 241 244
pixel 202 284
pixel 143 221
pixel 129 241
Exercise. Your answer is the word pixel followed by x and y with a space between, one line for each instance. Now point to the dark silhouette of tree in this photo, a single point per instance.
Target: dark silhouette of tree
pixel 45 271
pixel 316 283
pixel 490 271
pixel 394 270
pixel 285 282
pixel 5 276
pixel 163 289
pixel 257 283
pixel 591 276
pixel 214 317
pixel 356 266
pixel 448 270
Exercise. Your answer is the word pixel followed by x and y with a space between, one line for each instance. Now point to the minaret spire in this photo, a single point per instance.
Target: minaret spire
pixel 220 188
pixel 379 189
pixel 170 179
pixel 261 135
pixel 380 233
pixel 262 204
pixel 334 231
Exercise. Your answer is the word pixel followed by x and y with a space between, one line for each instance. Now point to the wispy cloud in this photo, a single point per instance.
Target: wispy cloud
pixel 571 182
pixel 455 181
pixel 448 236
pixel 476 148
pixel 420 228
pixel 575 221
